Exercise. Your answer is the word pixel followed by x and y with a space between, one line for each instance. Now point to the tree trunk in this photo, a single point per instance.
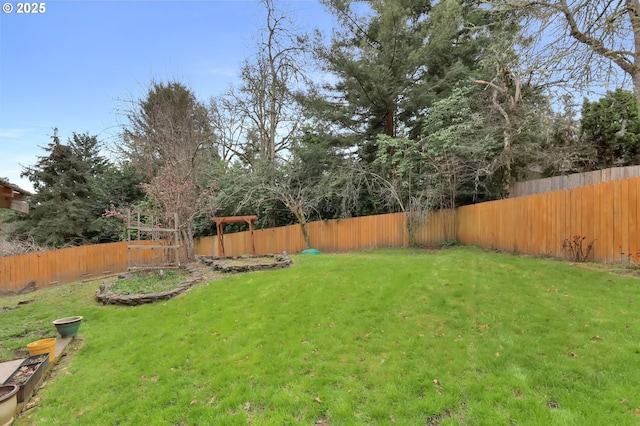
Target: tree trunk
pixel 389 125
pixel 411 228
pixel 187 241
pixel 507 178
pixel 305 234
pixel 636 84
pixel 633 8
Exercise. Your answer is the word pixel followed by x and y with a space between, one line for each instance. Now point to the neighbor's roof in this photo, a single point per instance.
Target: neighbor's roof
pixel 16 188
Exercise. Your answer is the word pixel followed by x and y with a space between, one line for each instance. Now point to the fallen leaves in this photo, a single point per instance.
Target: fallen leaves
pixel 35 401
pixel 317 399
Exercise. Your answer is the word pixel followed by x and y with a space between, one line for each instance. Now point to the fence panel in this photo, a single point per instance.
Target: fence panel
pixel 538 186
pixel 206 246
pixel 607 213
pixel 633 219
pixel 70 264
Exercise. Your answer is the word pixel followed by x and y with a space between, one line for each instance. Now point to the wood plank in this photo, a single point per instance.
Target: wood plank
pixel 598 252
pixel 632 203
pixel 608 222
pixel 588 215
pixel 565 211
pixel 624 220
pixel 605 212
pixel 20 206
pixel 617 221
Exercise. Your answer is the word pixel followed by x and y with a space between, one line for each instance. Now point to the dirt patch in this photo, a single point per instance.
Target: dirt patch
pixel 247 263
pixel 28 288
pixel 20 353
pixel 632 272
pixel 618 269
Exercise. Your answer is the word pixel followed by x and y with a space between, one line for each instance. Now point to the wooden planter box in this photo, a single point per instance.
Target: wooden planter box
pixel 28 375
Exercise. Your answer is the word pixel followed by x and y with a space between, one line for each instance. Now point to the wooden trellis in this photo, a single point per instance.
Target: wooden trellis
pixel 150 246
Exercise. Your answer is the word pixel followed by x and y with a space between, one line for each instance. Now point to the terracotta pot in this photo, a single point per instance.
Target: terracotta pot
pixel 8 403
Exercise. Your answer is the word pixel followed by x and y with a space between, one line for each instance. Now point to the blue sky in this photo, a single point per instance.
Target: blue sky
pixel 73 66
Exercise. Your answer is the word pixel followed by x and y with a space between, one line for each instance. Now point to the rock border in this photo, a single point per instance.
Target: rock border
pixel 140 299
pixel 219 263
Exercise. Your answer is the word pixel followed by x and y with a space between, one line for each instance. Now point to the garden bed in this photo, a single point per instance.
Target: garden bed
pixel 136 294
pixel 247 263
pixel 28 375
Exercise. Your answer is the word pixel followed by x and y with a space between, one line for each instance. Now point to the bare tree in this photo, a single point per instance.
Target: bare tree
pixel 265 103
pixel 285 185
pixel 229 124
pixel 168 136
pixel 585 40
pixel 518 83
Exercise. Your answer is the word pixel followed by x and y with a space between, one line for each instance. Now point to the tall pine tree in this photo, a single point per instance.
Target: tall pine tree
pixel 66 203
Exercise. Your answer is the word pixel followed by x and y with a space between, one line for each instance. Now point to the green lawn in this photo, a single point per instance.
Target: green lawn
pixel 410 337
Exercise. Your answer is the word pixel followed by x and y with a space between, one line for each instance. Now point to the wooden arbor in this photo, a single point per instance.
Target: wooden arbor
pixel 221 221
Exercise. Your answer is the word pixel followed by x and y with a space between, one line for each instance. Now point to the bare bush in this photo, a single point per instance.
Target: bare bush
pixel 15 247
pixel 574 250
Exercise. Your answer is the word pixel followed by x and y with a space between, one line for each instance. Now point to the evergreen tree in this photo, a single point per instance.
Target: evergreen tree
pixel 74 186
pixel 611 126
pixel 61 209
pixel 393 60
pixel 377 60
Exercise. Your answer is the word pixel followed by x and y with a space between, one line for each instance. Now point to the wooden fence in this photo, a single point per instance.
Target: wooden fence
pixel 71 264
pixel 606 213
pixel 556 183
pixel 387 230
